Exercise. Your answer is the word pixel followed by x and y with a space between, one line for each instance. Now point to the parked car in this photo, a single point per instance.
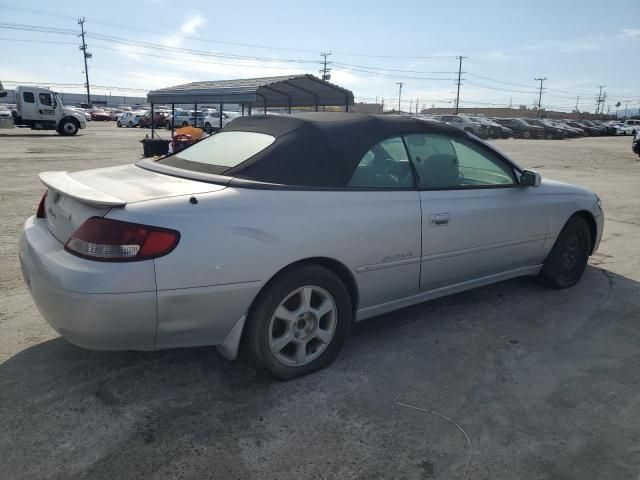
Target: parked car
pixel 159 119
pixel 587 129
pixel 596 129
pixel 495 129
pixel 212 121
pixel 520 128
pixel 465 123
pixel 635 144
pixel 99 115
pixel 549 131
pixel 634 123
pixel 281 231
pixel 184 118
pixel 622 129
pixel 130 119
pixel 606 128
pixel 570 131
pixel 114 113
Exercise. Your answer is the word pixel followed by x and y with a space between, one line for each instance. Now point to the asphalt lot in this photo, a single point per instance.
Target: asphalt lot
pixel 544 383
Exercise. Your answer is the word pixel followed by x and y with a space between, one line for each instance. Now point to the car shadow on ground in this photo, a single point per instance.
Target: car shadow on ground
pixel 521 368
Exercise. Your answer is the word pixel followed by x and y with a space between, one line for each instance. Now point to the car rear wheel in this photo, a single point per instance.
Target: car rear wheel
pixel 168 125
pixel 526 134
pixel 130 124
pixel 550 136
pixel 185 124
pixel 299 322
pixel 568 258
pixel 119 125
pixel 207 128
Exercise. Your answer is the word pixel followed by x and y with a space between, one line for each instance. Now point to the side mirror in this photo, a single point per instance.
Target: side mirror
pixel 529 178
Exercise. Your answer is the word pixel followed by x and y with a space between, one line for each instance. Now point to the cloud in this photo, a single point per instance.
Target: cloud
pixel 629 32
pixel 192 24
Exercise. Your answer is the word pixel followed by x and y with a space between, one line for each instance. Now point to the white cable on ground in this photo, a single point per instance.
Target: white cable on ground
pixel 413 407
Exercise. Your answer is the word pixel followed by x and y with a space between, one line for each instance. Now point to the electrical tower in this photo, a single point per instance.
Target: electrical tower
pixel 400 84
pixel 86 55
pixel 540 95
pixel 326 71
pixel 460 57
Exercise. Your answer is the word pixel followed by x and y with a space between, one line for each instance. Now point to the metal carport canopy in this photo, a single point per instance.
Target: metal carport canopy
pixel 282 91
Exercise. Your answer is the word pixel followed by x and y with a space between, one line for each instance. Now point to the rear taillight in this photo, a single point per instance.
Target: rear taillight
pixel 41 212
pixel 111 240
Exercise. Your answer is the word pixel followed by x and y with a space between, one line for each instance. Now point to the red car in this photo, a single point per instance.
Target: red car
pixel 159 119
pixel 100 115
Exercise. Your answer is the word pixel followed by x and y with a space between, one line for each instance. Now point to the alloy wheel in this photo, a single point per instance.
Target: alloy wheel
pixel 302 326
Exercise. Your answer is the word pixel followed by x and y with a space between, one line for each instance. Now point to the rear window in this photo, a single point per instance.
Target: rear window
pixel 225 149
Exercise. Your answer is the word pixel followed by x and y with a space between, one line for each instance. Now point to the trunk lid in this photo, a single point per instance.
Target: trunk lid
pixel 74 197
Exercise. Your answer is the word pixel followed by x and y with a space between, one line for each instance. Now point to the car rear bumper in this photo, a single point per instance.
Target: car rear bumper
pixel 86 301
pixel 115 306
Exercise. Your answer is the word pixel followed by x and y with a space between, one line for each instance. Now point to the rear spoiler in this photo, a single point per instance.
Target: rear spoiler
pixel 66 184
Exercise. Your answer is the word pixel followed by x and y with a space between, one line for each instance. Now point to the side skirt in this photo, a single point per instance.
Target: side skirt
pixel 375 310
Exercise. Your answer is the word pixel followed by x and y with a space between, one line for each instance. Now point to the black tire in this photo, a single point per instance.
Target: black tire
pixel 185 124
pixel 257 332
pixel 550 136
pixel 119 125
pixel 207 128
pixel 68 126
pixel 130 124
pixel 568 258
pixel 168 125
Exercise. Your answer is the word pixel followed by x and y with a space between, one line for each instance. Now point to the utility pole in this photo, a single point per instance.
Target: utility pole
pixel 626 104
pixel 577 103
pixel 599 99
pixel 86 55
pixel 417 102
pixel 326 75
pixel 400 84
pixel 459 57
pixel 540 95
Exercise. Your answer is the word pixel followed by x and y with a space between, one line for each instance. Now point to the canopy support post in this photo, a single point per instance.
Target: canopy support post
pixel 221 116
pixel 195 115
pixel 173 119
pixel 346 105
pixel 242 107
pixel 152 127
pixel 249 109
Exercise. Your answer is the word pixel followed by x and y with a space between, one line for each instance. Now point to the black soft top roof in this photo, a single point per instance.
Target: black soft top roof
pixel 319 149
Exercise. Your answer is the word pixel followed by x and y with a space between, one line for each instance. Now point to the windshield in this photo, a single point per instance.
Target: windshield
pixel 226 149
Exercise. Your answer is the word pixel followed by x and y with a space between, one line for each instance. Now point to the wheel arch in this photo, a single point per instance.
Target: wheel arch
pixel 69 117
pixel 335 266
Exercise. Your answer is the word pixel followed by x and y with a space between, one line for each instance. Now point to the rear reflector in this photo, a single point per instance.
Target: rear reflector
pixel 41 212
pixel 107 240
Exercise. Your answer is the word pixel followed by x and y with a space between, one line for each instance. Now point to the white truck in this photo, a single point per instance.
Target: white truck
pixel 41 109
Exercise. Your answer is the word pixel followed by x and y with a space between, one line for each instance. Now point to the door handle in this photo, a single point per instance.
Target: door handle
pixel 439 220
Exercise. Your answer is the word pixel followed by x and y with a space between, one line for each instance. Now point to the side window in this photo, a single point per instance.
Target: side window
pixel 385 165
pixel 45 99
pixel 442 163
pixel 434 159
pixel 28 97
pixel 480 167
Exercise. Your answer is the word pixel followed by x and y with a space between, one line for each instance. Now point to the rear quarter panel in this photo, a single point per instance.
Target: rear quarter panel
pixel 245 235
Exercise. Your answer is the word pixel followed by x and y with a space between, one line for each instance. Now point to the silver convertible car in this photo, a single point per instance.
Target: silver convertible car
pixel 276 234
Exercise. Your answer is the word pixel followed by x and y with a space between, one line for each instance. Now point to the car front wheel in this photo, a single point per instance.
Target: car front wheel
pixel 207 127
pixel 299 322
pixel 568 258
